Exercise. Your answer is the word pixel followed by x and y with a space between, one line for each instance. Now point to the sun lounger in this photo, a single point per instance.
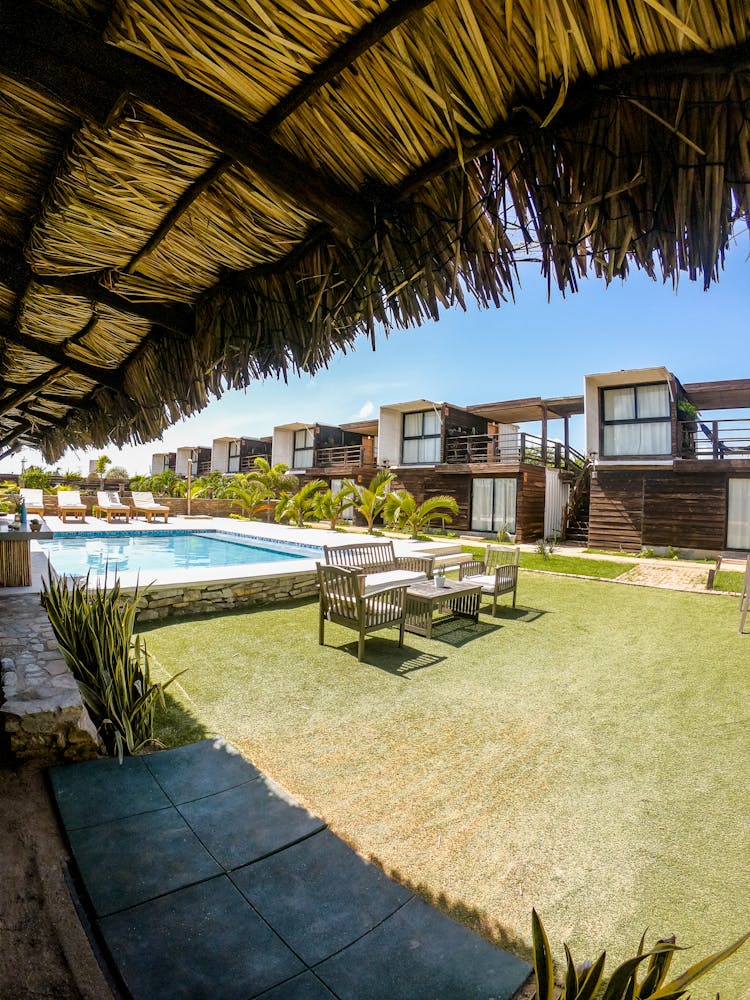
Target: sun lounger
pixel 144 503
pixel 34 501
pixel 69 505
pixel 110 505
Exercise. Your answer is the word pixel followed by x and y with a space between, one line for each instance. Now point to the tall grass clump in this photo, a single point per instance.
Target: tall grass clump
pixel 94 629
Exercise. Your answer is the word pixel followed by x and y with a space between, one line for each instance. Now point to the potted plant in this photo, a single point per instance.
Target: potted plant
pixel 439 577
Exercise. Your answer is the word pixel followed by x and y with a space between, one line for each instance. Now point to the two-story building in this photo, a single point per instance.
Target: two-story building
pixel 667 471
pixel 198 457
pixel 163 462
pixel 232 455
pixel 324 451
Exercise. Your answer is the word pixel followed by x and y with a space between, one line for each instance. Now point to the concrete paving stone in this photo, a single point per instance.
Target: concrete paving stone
pixel 304 987
pixel 247 823
pixel 320 895
pixel 199 769
pixel 207 944
pixel 103 790
pixel 131 860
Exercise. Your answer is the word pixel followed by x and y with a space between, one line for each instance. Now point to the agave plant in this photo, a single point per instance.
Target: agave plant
pixel 369 501
pixel 94 629
pixel 403 513
pixel 298 507
pixel 638 978
pixel 332 506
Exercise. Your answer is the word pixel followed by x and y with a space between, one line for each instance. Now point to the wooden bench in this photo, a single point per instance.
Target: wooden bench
pixel 376 557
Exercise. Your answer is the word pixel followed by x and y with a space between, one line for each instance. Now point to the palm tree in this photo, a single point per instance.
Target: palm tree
pixel 253 498
pixel 102 464
pixel 331 506
pixel 275 478
pixel 402 513
pixel 370 500
pixel 295 507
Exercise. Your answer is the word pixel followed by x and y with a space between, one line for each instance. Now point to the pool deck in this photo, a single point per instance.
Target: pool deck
pixel 169 578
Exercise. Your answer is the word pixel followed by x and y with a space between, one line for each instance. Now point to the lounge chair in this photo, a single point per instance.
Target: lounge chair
pixel 34 501
pixel 497 574
pixel 343 600
pixel 69 505
pixel 144 503
pixel 110 505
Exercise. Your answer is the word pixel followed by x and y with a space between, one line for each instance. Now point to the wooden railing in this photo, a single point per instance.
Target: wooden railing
pixel 715 439
pixel 204 468
pixel 247 462
pixel 350 454
pixel 510 449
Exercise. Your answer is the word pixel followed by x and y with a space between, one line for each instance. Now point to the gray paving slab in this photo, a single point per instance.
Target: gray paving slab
pixel 420 954
pixel 304 987
pixel 101 790
pixel 134 859
pixel 320 895
pixel 249 822
pixel 203 942
pixel 199 769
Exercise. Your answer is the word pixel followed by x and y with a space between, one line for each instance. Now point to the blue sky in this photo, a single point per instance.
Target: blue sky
pixel 529 347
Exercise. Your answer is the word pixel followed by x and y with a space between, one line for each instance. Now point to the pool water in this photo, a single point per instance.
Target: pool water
pixel 77 555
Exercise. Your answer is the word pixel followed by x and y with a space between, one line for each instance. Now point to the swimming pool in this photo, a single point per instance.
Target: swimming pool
pixel 123 552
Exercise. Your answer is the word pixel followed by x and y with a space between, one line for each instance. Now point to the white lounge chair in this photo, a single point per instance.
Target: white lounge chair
pixel 69 505
pixel 144 503
pixel 110 505
pixel 34 501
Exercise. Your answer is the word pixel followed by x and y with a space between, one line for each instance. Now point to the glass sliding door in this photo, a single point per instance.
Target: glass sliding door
pixel 738 514
pixel 493 505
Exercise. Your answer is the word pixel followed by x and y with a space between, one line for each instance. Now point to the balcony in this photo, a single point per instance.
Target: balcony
pixel 509 449
pixel 247 462
pixel 343 455
pixel 714 439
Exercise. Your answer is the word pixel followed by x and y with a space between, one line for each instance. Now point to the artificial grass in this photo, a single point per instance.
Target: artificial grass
pixel 586 754
pixel 572 565
pixel 729 580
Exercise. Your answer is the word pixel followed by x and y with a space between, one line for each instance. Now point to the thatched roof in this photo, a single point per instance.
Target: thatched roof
pixel 198 193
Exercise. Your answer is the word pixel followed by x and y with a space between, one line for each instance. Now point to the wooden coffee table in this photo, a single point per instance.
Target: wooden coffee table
pixel 458 599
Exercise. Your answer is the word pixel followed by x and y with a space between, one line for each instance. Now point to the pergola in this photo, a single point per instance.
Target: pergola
pixel 200 193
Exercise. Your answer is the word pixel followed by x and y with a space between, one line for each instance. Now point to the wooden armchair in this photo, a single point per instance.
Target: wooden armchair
pixel 497 574
pixel 345 601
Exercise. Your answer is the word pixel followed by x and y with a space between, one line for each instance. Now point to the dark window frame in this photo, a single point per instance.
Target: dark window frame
pixel 630 421
pixel 420 437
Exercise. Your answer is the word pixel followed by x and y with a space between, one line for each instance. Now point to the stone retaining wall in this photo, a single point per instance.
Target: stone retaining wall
pixel 201 598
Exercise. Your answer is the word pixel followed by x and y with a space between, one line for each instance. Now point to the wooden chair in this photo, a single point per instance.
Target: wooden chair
pixel 144 503
pixel 745 596
pixel 69 505
pixel 497 574
pixel 343 600
pixel 110 505
pixel 34 501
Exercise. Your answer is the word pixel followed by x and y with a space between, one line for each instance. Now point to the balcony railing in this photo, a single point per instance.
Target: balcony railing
pixel 509 449
pixel 714 439
pixel 204 468
pixel 342 455
pixel 247 462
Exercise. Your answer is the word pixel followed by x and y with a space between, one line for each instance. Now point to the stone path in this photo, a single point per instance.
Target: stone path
pixel 667 575
pixel 42 712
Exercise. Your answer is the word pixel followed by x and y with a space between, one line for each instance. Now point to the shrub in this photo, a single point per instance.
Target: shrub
pixel 94 629
pixel 626 982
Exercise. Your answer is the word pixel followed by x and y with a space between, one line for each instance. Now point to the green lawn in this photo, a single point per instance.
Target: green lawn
pixel 729 580
pixel 587 755
pixel 572 565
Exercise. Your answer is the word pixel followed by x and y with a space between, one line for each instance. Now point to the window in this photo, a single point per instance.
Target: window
pixel 233 464
pixel 302 458
pixel 636 420
pixel 738 514
pixel 493 505
pixel 421 438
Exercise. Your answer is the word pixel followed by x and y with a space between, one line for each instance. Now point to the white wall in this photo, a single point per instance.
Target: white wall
pixel 389 436
pixel 219 455
pixel 282 448
pixel 181 464
pixel 158 464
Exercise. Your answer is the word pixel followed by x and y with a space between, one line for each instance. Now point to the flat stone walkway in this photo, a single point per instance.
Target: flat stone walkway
pixel 206 880
pixel 668 576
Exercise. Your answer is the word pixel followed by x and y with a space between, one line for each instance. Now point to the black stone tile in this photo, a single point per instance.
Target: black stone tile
pixel 304 987
pixel 134 859
pixel 98 791
pixel 199 769
pixel 319 895
pixel 200 943
pixel 246 823
pixel 420 954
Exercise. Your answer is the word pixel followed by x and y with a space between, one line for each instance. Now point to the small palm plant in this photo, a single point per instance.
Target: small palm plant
pixel 102 464
pixel 332 506
pixel 626 982
pixel 276 478
pixel 298 507
pixel 252 498
pixel 403 513
pixel 369 501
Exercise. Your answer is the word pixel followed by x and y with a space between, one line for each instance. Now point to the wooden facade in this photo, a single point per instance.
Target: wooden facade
pixel 636 508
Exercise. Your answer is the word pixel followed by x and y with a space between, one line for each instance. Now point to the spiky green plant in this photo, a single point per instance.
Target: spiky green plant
pixel 276 478
pixel 369 501
pixel 94 629
pixel 253 499
pixel 298 507
pixel 332 506
pixel 402 512
pixel 629 981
